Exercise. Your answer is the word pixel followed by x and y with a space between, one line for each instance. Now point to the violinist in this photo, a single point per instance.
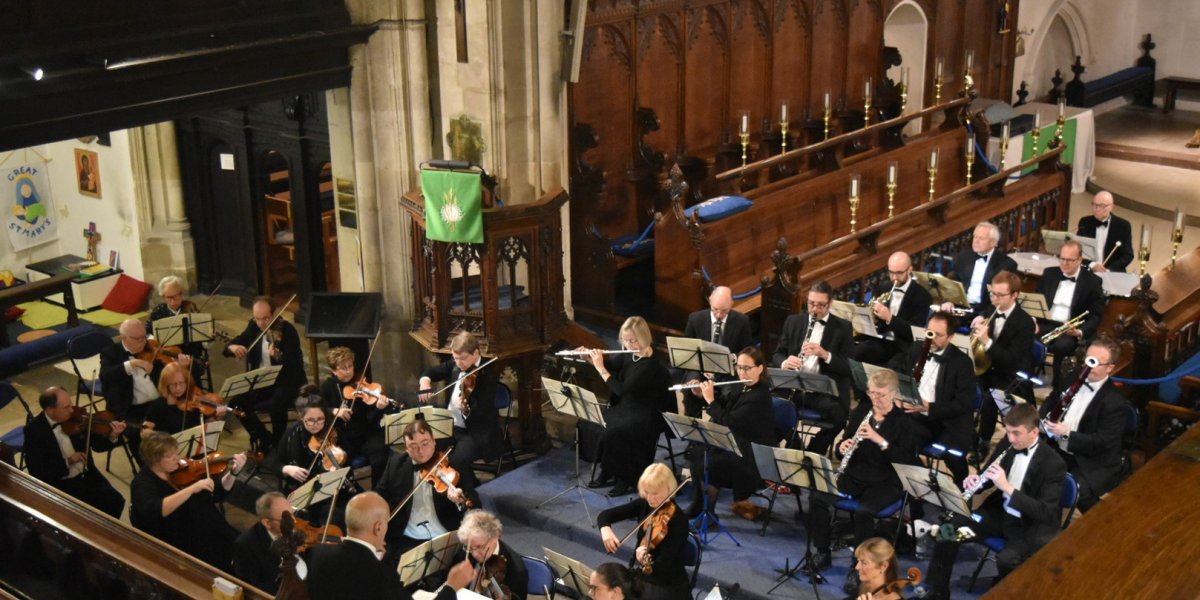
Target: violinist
pixel 63 461
pixel 173 291
pixel 877 565
pixel 427 514
pixel 363 433
pixel 355 570
pixel 477 432
pixel 500 571
pixel 278 346
pixel 662 538
pixel 170 412
pixel 297 451
pixel 185 517
pixel 129 381
pixel 612 581
pixel 253 560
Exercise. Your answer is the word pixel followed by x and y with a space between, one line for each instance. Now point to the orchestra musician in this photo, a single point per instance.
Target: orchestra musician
pixel 661 541
pixel 818 342
pixel 294 456
pixel 129 381
pixel 907 305
pixel 173 291
pixel 1089 435
pixel 355 570
pixel 64 461
pixel 877 565
pixel 637 384
pixel 1008 341
pixel 169 412
pixel 427 514
pixel 279 346
pixel 186 518
pixel 1029 477
pixel 477 433
pixel 1070 290
pixel 882 435
pixel 493 560
pixel 253 560
pixel 719 324
pixel 974 268
pixel 746 409
pixel 363 432
pixel 1108 229
pixel 947 388
pixel 612 581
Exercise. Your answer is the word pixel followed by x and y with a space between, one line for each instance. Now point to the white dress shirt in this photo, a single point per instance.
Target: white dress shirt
pixel 67 448
pixel 1060 310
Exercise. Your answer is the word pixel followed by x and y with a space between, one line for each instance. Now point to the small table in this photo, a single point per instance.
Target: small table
pixel 89 291
pixel 1174 84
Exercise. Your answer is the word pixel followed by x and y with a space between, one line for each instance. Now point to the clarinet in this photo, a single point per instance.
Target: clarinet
pixel 807 338
pixel 857 439
pixel 1064 401
pixel 919 369
pixel 983 477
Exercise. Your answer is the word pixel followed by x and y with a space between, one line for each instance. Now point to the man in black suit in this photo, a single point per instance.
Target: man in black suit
pixel 976 267
pixel 481 544
pixel 253 560
pixel 1088 435
pixel 1108 229
pixel 477 432
pixel 719 324
pixel 427 514
pixel 1029 477
pixel 1070 290
pixel 1008 342
pixel 279 346
pixel 907 305
pixel 130 384
pixel 355 569
pixel 818 342
pixel 947 388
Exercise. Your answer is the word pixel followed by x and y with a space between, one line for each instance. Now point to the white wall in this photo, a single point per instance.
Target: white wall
pixel 1174 24
pixel 1107 35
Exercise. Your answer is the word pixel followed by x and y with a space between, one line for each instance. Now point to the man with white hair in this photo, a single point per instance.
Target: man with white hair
pixel 720 324
pixel 1108 229
pixel 976 267
pixel 130 383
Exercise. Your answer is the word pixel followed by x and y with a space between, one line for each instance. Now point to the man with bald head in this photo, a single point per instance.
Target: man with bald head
pixel 1108 229
pixel 907 305
pixel 720 324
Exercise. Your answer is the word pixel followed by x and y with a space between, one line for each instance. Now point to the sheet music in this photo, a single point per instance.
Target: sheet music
pixel 860 317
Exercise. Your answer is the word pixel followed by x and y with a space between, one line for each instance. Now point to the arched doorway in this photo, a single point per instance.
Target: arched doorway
pixel 1057 52
pixel 907 30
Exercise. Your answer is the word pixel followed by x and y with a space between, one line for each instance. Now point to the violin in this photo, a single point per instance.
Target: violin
pixel 207 403
pixel 215 464
pixel 317 534
pixel 99 423
pixel 656 531
pixel 896 585
pixel 368 393
pixel 165 355
pixel 331 455
pixel 490 576
pixel 443 477
pixel 468 386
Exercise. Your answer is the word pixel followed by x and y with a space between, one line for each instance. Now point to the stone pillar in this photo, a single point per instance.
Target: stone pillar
pixel 167 247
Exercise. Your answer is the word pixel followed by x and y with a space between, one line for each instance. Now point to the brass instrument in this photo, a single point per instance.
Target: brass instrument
pixel 983 362
pixel 1065 327
pixel 1059 410
pixel 919 369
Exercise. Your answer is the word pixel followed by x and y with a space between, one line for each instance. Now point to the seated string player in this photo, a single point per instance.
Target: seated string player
pixel 171 411
pixel 1113 235
pixel 129 379
pixel 896 308
pixel 472 399
pixel 173 291
pixel 1070 290
pixel 480 534
pixel 1007 334
pixel 947 386
pixel 278 343
pixel 253 560
pixel 363 433
pixel 308 448
pixel 974 268
pixel 667 579
pixel 816 341
pixel 719 324
pixel 1085 417
pixel 1028 476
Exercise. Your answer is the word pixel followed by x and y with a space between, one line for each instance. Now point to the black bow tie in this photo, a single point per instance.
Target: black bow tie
pixel 1102 224
pixel 1065 278
pixel 1088 385
pixel 821 321
pixel 982 257
pixel 1024 452
pixel 999 316
pixel 938 357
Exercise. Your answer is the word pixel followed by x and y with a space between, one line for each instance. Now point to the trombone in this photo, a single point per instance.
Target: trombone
pixel 1065 327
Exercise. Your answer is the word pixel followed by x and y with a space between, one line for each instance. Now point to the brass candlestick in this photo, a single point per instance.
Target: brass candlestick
pixel 853 214
pixel 867 112
pixel 783 129
pixel 937 90
pixel 1003 149
pixel 745 136
pixel 932 180
pixel 1143 258
pixel 891 192
pixel 1176 239
pixel 1058 130
pixel 970 160
pixel 903 96
pixel 1033 138
pixel 828 114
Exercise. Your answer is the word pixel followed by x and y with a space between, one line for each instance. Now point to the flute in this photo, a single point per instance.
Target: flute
pixel 983 477
pixel 586 352
pixel 692 386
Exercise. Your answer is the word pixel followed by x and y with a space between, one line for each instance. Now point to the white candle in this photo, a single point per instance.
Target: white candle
pixel 854 186
pixel 933 159
pixel 745 122
pixel 969 148
pixel 867 90
pixel 1004 132
pixel 827 101
pixel 1037 120
pixel 783 113
pixel 970 59
pixel 1062 107
pixel 904 76
pixel 1178 219
pixel 1145 238
pixel 892 172
pixel 937 72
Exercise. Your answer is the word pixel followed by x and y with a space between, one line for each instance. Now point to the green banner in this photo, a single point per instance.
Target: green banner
pixel 1045 136
pixel 453 206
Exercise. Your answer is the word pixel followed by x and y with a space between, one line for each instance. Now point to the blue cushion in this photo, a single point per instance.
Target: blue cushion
pixel 629 246
pixel 718 208
pixel 1116 78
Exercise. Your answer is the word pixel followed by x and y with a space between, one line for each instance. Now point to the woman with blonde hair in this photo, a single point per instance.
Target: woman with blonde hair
pixel 667 579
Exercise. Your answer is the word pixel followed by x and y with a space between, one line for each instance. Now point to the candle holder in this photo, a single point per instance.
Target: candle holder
pixel 1143 258
pixel 891 193
pixel 970 156
pixel 828 114
pixel 867 112
pixel 783 130
pixel 903 96
pixel 937 90
pixel 1003 149
pixel 932 180
pixel 854 183
pixel 1034 135
pixel 1061 124
pixel 1176 239
pixel 745 137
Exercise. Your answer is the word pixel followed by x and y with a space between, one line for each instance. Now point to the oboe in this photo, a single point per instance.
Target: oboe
pixel 983 477
pixel 1059 410
pixel 869 421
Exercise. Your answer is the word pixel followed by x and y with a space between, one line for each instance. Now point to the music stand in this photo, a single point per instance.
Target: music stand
pixel 1035 304
pixel 860 317
pixel 927 484
pixel 189 439
pixel 907 391
pixel 1054 239
pixel 573 574
pixel 250 381
pixel 814 472
pixel 440 421
pixel 702 356
pixel 318 489
pixel 572 400
pixel 184 328
pixel 808 383
pixel 710 435
pixel 427 558
pixel 942 288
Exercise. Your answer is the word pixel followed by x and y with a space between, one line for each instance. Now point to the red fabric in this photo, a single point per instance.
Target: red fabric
pixel 13 313
pixel 128 296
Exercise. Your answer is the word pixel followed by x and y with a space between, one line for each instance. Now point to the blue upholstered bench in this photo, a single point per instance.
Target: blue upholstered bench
pixel 19 357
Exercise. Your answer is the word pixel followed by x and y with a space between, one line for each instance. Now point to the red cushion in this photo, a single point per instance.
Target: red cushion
pixel 13 313
pixel 128 296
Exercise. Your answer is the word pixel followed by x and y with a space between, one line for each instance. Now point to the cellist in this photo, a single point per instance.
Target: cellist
pixel 661 534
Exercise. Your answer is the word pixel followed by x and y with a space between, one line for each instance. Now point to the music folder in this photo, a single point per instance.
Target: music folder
pixel 440 421
pixel 860 317
pixel 184 328
pixel 1054 239
pixel 908 387
pixel 318 489
pixel 942 288
pixel 1035 304
pixel 690 354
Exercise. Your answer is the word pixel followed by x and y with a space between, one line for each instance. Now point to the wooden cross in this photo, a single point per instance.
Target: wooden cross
pixel 93 239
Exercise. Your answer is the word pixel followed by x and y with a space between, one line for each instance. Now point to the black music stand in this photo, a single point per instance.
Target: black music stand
pixel 440 421
pixel 927 484
pixel 710 435
pixel 573 575
pixel 343 319
pixel 428 558
pixel 189 439
pixel 250 381
pixel 806 383
pixel 702 356
pixel 861 318
pixel 942 288
pixel 572 400
pixel 814 472
pixel 185 328
pixel 319 489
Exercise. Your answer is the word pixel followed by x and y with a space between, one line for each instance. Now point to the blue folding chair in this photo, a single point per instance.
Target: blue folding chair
pixel 15 438
pixel 993 545
pixel 541 577
pixel 503 406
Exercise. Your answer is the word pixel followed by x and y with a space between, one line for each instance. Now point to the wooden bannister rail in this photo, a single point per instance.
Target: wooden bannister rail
pixel 147 567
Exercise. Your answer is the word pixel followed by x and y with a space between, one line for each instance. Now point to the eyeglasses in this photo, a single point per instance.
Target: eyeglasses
pixel 999 295
pixel 898 273
pixel 136 338
pixel 745 368
pixel 879 395
pixel 418 446
pixel 314 421
pixel 818 304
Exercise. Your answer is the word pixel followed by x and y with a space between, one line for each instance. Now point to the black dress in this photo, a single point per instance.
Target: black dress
pixel 196 527
pixel 749 413
pixel 362 435
pixel 168 418
pixel 668 578
pixel 638 397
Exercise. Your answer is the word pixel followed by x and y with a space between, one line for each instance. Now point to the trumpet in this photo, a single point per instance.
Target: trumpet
pixel 956 311
pixel 586 352
pixel 692 386
pixel 1065 327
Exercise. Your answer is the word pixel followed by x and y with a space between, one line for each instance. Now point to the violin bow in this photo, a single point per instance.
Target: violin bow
pixel 210 296
pixel 204 445
pixel 653 512
pixel 463 377
pixel 278 313
pixel 367 364
pixel 428 476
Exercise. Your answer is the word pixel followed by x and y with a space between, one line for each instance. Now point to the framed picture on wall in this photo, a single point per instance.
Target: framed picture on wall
pixel 87 172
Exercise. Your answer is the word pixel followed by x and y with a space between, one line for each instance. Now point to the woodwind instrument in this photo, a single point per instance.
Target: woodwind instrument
pixel 983 477
pixel 586 352
pixel 1065 327
pixel 919 368
pixel 692 386
pixel 1064 401
pixel 857 440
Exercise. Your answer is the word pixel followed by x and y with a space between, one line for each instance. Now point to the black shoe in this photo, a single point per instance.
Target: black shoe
pixel 821 560
pixel 620 489
pixel 852 582
pixel 601 480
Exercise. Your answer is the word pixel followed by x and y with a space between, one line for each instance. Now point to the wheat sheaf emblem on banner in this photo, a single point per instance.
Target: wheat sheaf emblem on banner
pixel 452 213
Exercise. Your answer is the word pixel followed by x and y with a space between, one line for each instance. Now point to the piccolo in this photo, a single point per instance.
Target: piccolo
pixel 586 352
pixel 692 386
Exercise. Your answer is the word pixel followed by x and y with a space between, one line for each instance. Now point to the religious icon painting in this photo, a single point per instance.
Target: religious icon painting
pixel 87 172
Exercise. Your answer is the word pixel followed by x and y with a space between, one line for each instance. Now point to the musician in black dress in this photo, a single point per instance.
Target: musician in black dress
pixel 668 578
pixel 294 460
pixel 472 400
pixel 637 385
pixel 1008 341
pixel 882 436
pixel 363 432
pixel 746 409
pixel 877 565
pixel 613 581
pixel 480 537
pixel 169 412
pixel 186 518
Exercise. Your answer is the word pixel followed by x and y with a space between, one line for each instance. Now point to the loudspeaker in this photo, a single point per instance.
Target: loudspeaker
pixel 573 40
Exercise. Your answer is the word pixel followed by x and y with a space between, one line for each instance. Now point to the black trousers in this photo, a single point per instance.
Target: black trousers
pixel 871 500
pixel 92 488
pixel 994 522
